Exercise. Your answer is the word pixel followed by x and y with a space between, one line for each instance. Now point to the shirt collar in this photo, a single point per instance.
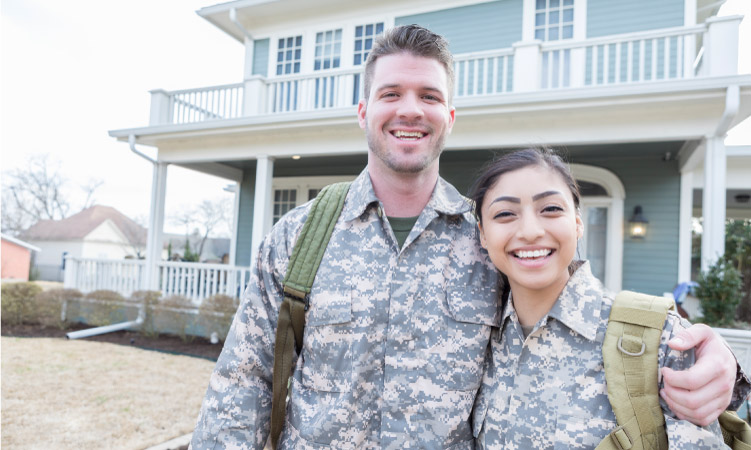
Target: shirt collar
pixel 445 198
pixel 578 306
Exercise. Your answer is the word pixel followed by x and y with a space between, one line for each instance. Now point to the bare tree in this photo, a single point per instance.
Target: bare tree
pixel 37 191
pixel 204 220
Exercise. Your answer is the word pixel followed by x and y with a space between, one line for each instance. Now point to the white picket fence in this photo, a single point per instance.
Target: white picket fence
pixel 192 280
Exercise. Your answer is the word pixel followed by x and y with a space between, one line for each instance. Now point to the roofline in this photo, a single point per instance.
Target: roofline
pixel 20 242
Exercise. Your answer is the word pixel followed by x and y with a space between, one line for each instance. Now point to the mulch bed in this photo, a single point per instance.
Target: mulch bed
pixel 199 347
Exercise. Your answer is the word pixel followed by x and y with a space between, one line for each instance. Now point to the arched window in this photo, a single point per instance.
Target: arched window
pixel 602 214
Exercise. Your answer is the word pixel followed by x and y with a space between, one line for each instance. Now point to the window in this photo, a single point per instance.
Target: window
pixel 288 55
pixel 554 19
pixel 284 200
pixel 364 37
pixel 328 49
pixel 294 191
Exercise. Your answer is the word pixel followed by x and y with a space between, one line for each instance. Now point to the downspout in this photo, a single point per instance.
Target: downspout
pixel 233 19
pixel 732 104
pixel 141 309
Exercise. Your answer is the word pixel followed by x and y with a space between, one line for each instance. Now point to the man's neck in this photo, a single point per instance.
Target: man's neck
pixel 403 195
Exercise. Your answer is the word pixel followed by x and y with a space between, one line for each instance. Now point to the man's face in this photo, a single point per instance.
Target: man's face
pixel 407 116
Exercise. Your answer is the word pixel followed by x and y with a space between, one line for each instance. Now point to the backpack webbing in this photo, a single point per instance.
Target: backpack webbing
pixel 301 271
pixel 629 354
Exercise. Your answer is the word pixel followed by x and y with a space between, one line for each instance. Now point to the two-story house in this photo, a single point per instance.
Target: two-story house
pixel 638 94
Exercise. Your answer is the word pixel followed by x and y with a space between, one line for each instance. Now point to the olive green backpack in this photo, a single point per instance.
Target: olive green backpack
pixel 629 354
pixel 301 271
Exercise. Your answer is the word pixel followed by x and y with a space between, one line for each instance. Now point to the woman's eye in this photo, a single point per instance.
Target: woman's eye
pixel 552 208
pixel 503 215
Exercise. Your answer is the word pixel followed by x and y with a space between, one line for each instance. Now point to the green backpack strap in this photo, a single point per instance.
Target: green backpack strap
pixel 735 431
pixel 301 271
pixel 630 356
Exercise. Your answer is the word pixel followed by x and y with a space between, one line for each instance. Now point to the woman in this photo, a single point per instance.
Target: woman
pixel 545 385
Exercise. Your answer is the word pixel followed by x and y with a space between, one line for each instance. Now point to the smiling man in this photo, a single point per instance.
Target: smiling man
pixel 403 302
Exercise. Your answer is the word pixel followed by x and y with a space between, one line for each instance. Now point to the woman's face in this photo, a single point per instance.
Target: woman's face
pixel 530 227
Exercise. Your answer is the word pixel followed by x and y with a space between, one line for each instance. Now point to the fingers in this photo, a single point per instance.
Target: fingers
pixel 702 415
pixel 695 336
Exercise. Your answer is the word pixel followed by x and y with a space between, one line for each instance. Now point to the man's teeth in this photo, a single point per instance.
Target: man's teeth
pixel 408 134
pixel 532 253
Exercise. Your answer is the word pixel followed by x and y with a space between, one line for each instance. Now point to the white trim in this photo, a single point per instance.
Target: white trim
pixel 580 20
pixel 617 193
pixel 528 20
pixel 235 224
pixel 684 226
pixel 689 12
pixel 713 202
pixel 20 243
pixel 261 202
pixel 738 150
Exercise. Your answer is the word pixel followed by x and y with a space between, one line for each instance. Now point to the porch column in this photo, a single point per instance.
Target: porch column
pixel 684 226
pixel 527 67
pixel 160 110
pixel 721 46
pixel 713 202
pixel 262 202
pixel 156 226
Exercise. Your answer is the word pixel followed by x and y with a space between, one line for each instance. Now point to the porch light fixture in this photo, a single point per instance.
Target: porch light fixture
pixel 296 157
pixel 638 224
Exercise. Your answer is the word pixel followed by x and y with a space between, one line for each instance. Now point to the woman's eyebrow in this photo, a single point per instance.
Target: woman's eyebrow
pixel 506 198
pixel 545 194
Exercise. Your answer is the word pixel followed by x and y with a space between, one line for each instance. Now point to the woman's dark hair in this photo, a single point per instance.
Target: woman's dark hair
pixel 509 162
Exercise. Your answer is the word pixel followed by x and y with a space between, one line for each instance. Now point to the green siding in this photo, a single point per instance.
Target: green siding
pixel 474 28
pixel 261 57
pixel 245 217
pixel 608 17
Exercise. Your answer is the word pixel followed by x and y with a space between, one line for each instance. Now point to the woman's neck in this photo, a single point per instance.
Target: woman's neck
pixel 531 305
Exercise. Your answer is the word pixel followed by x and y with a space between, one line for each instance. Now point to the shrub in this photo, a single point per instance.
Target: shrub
pixel 49 306
pixel 104 304
pixel 217 313
pixel 178 311
pixel 738 251
pixel 17 302
pixel 719 293
pixel 148 300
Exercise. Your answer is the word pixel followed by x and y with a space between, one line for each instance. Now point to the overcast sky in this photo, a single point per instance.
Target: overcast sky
pixel 73 70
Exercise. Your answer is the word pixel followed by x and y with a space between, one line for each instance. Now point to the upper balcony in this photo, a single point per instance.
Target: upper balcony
pixel 663 55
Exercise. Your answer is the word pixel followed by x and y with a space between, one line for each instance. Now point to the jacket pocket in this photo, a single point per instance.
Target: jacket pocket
pixel 327 343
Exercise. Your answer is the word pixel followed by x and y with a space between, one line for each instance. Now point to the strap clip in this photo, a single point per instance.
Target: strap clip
pixel 298 295
pixel 639 353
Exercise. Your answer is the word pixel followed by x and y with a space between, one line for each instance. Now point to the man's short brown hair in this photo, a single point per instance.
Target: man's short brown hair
pixel 415 40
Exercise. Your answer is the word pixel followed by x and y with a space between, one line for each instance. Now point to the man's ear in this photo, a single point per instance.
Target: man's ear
pixel 361 110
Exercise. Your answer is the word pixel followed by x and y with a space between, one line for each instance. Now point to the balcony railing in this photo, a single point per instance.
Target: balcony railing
pixel 192 280
pixel 666 54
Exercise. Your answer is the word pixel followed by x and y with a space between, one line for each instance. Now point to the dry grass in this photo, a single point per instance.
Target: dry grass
pixel 92 395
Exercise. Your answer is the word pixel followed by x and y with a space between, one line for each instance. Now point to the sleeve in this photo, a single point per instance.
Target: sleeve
pixel 682 434
pixel 236 410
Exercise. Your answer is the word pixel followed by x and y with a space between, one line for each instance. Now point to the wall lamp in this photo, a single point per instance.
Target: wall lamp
pixel 638 224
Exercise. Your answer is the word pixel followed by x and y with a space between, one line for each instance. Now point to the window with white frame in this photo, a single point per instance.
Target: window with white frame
pixel 294 191
pixel 554 19
pixel 328 50
pixel 288 55
pixel 364 37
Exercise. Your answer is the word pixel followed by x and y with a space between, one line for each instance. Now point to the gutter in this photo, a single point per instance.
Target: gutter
pixel 108 328
pixel 132 144
pixel 233 19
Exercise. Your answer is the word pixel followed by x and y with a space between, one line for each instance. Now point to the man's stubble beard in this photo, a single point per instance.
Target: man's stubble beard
pixel 383 155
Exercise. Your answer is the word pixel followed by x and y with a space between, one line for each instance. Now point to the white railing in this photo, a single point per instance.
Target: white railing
pixel 484 73
pixel 740 342
pixel 210 103
pixel 193 280
pixel 329 89
pixel 199 281
pixel 627 58
pixel 123 276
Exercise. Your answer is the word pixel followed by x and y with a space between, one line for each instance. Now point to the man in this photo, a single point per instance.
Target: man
pixel 403 302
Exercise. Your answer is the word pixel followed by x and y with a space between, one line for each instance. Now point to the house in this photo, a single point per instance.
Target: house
pixel 96 233
pixel 16 258
pixel 638 94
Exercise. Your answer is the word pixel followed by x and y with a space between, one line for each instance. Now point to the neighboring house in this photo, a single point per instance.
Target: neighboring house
pixel 98 232
pixel 214 249
pixel 16 258
pixel 639 94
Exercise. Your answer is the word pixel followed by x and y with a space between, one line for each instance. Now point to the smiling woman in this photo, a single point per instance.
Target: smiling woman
pixel 545 386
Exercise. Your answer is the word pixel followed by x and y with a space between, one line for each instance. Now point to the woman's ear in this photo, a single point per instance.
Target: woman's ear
pixel 482 236
pixel 579 226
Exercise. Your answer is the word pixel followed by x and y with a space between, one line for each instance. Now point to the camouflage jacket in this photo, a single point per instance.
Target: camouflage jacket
pixel 548 391
pixel 394 343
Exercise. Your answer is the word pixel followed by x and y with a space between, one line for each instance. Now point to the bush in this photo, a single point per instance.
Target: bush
pixel 17 301
pixel 719 292
pixel 738 251
pixel 49 306
pixel 178 311
pixel 148 300
pixel 217 313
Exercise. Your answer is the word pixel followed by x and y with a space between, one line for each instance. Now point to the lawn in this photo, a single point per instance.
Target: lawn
pixel 91 395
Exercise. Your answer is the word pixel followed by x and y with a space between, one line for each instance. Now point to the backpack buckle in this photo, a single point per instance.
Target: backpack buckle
pixel 300 296
pixel 621 439
pixel 638 353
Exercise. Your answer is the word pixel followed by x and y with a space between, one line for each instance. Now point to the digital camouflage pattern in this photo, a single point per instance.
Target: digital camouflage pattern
pixel 394 344
pixel 549 392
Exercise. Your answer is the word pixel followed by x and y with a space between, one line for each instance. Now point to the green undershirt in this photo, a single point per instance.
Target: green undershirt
pixel 401 227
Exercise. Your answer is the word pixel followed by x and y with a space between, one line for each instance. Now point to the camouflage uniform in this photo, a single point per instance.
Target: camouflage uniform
pixel 394 343
pixel 548 391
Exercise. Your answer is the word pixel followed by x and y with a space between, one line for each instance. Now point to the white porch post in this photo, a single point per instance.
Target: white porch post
pixel 713 202
pixel 684 226
pixel 160 111
pixel 721 45
pixel 156 225
pixel 262 202
pixel 527 70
